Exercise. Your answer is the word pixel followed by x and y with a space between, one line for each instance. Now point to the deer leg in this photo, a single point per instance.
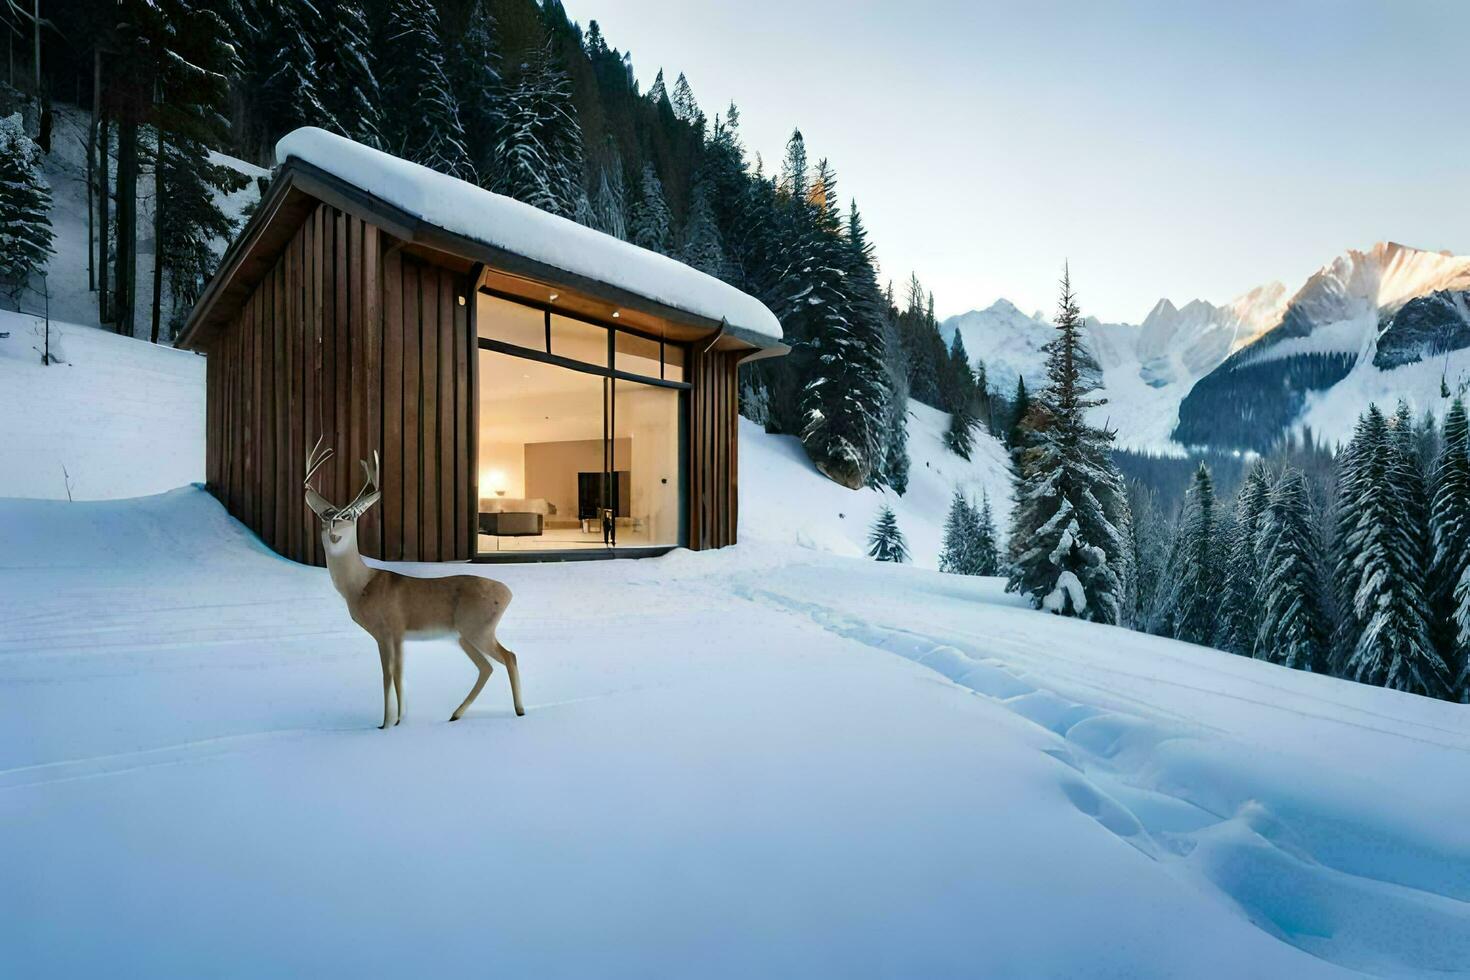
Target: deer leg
pixel 483 666
pixel 385 655
pixel 513 671
pixel 398 677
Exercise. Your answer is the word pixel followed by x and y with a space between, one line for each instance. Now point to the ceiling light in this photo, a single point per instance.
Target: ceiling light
pixel 553 297
pixel 616 314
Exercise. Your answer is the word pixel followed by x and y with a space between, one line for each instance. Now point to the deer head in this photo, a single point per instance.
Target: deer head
pixel 337 522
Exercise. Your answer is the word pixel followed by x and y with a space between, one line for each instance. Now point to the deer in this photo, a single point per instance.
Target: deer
pixel 392 608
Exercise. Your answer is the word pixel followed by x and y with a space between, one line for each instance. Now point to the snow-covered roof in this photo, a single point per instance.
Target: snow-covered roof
pixel 504 223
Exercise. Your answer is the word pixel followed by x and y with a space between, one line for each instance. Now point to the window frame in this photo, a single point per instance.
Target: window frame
pixel 607 370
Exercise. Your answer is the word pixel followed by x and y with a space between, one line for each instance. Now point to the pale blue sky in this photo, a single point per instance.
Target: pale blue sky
pixel 1180 149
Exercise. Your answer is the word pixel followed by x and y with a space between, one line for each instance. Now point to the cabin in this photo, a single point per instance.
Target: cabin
pixel 535 389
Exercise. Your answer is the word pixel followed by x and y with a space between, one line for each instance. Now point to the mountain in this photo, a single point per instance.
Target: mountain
pixel 1359 323
pixel 1377 325
pixel 1144 370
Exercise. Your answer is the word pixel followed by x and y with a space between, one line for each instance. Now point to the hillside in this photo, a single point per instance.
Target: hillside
pixel 924 775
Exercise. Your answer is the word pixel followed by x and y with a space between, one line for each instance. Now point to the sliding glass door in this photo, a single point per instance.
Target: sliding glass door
pixel 582 431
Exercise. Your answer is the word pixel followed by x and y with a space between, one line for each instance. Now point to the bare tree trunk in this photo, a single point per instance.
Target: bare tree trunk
pixel 92 168
pixel 104 236
pixel 157 236
pixel 127 223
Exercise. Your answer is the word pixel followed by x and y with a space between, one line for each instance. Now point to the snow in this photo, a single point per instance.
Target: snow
pixel 499 221
pixel 116 418
pixel 785 501
pixel 771 759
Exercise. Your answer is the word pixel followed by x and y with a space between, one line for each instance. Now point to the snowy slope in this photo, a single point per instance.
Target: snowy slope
pixel 784 500
pixel 763 760
pixel 122 417
pixel 770 759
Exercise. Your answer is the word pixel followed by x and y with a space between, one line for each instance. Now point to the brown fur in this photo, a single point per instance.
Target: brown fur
pixel 393 607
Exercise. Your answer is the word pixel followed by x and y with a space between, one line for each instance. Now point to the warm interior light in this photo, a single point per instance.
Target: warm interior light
pixel 495 480
pixel 554 296
pixel 616 314
pixel 461 301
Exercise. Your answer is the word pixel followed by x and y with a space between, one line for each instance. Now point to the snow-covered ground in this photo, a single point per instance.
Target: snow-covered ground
pixel 116 417
pixel 773 759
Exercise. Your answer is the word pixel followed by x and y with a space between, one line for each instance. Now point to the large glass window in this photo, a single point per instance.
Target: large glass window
pixel 572 458
pixel 510 323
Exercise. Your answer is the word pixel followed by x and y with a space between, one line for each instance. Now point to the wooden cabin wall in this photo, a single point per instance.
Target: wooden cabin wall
pixel 714 444
pixel 344 337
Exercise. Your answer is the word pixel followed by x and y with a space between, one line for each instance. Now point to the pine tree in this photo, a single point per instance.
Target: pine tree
pixel 1020 408
pixel 474 70
pixel 25 208
pixel 1449 524
pixel 1380 565
pixel 959 435
pixel 958 553
pixel 885 540
pixel 421 112
pixel 539 157
pixel 1069 539
pixel 702 246
pixel 347 84
pixel 1150 535
pixel 686 109
pixel 845 396
pixel 1292 629
pixel 987 546
pixel 188 222
pixel 1239 616
pixel 651 224
pixel 657 93
pixel 1193 572
pixel 281 72
pixel 609 199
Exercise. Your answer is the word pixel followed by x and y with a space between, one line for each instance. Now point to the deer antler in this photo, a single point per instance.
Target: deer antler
pixel 368 495
pixel 314 461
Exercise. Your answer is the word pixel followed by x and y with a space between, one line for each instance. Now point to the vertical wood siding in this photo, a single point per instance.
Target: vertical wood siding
pixel 713 447
pixel 347 338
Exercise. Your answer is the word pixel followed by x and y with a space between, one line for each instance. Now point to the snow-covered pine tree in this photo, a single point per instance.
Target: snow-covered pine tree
pixel 609 198
pixel 1449 524
pixel 1380 566
pixel 344 68
pixel 474 70
pixel 650 223
pixel 959 434
pixel 281 73
pixel 686 108
pixel 845 396
pixel 539 157
pixel 702 246
pixel 1292 628
pixel 25 208
pixel 1069 539
pixel 1193 573
pixel 421 113
pixel 957 555
pixel 188 121
pixel 1150 535
pixel 1239 616
pixel 987 545
pixel 657 92
pixel 893 466
pixel 885 540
